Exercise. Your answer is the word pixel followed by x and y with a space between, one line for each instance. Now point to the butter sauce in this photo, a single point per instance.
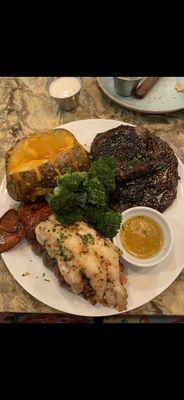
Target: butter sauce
pixel 141 236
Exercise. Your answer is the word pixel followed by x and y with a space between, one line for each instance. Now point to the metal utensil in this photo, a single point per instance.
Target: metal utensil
pixel 124 86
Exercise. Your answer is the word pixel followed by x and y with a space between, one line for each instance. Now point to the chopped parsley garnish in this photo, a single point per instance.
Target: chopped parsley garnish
pixel 88 239
pixel 63 237
pixel 62 253
pixel 161 165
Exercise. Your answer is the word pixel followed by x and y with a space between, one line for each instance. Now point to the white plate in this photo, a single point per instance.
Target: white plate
pixel 142 284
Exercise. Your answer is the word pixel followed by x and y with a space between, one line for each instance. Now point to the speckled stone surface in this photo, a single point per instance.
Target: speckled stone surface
pixel 25 106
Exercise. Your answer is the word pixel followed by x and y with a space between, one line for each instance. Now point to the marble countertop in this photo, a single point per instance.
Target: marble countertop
pixel 25 105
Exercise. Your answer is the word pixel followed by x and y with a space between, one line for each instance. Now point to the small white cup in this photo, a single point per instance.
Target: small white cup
pixel 167 235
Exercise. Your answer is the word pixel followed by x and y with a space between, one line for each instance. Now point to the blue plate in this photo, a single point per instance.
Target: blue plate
pixel 161 98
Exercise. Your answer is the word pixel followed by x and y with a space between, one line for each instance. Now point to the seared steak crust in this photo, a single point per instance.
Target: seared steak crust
pixel 147 168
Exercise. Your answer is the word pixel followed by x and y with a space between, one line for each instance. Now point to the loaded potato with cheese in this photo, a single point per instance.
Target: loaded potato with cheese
pixel 34 163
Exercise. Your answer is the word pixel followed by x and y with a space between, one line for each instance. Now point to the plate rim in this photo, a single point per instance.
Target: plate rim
pixel 129 107
pixel 115 312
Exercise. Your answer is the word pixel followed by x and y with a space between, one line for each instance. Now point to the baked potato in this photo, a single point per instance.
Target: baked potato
pixel 34 163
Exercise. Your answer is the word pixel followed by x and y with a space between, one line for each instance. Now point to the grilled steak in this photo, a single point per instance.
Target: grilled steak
pixel 147 168
pixel 129 149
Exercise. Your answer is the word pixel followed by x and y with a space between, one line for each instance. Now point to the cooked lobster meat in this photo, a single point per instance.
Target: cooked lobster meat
pixel 86 262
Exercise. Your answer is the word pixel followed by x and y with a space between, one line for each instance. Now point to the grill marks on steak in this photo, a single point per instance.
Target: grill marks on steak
pixel 147 171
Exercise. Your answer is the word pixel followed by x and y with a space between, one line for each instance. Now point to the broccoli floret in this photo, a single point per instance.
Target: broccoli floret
pixel 83 196
pixel 109 223
pixel 81 199
pixel 106 221
pixel 54 203
pixel 105 170
pixel 96 191
pixel 71 217
pixel 71 181
pixel 63 201
pixel 94 214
